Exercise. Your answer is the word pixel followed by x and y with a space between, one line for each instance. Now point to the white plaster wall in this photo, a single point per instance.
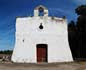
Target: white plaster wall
pixel 54 34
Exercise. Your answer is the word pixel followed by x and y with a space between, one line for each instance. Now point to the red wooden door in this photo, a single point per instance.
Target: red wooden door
pixel 41 53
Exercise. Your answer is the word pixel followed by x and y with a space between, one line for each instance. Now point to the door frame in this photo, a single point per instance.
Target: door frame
pixel 45 46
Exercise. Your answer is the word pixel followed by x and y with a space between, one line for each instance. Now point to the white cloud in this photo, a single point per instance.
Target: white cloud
pixel 79 2
pixel 62 10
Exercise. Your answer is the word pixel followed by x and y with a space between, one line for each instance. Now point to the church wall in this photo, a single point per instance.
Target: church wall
pixel 28 35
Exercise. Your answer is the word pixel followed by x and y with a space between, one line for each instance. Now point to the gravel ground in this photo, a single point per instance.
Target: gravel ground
pixel 44 66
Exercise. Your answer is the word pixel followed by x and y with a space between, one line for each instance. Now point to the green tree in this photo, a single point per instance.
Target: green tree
pixel 81 21
pixel 71 26
pixel 81 31
pixel 81 10
pixel 6 52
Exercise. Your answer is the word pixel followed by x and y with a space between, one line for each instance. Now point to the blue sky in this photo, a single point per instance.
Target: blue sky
pixel 10 9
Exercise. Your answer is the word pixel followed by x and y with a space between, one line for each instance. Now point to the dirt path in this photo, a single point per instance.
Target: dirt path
pixel 53 66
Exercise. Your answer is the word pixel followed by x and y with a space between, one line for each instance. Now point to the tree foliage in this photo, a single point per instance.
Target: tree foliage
pixel 81 21
pixel 6 52
pixel 77 34
pixel 71 26
pixel 81 31
pixel 81 10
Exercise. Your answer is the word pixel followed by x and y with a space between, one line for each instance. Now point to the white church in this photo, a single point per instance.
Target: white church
pixel 41 38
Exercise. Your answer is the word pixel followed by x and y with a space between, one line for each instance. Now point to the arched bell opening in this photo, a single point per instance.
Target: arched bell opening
pixel 41 11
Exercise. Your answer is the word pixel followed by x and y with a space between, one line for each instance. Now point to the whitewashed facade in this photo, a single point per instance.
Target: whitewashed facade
pixel 47 31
